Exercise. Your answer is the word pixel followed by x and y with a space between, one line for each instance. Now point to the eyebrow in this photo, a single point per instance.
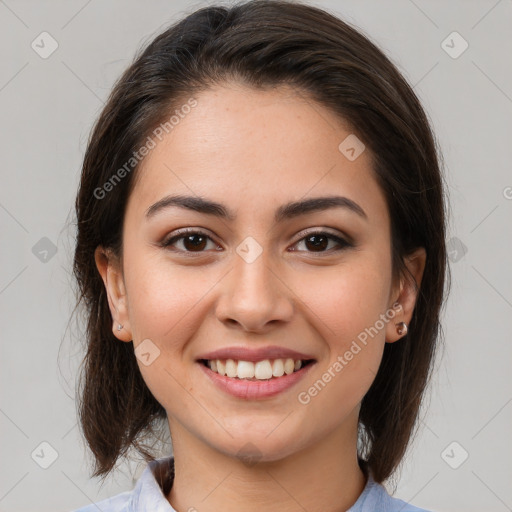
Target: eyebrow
pixel 285 212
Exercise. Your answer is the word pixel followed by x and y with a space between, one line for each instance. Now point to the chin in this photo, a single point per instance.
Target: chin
pixel 252 448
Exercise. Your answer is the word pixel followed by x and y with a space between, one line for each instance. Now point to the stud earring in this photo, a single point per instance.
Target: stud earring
pixel 119 327
pixel 401 328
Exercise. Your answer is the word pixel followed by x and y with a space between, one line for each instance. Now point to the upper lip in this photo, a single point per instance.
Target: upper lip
pixel 254 354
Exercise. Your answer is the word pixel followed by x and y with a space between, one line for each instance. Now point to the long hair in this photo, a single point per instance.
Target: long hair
pixel 263 43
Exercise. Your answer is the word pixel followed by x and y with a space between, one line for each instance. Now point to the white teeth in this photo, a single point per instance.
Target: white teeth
pixel 221 367
pixel 246 370
pixel 231 368
pixel 289 365
pixel 278 368
pixel 261 370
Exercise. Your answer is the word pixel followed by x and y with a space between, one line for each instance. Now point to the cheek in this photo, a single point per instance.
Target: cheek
pixel 165 302
pixel 162 298
pixel 349 309
pixel 347 299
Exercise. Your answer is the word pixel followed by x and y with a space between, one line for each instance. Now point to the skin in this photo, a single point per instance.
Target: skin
pixel 254 151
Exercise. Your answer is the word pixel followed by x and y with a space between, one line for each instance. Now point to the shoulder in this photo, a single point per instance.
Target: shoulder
pixel 117 503
pixel 398 505
pixel 375 498
pixel 147 494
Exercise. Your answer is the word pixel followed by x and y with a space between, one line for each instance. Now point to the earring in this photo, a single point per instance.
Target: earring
pixel 119 327
pixel 401 328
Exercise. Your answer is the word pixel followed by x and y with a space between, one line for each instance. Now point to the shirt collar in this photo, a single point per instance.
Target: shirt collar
pixel 148 495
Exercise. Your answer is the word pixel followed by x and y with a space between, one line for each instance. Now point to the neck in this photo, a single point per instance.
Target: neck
pixel 324 477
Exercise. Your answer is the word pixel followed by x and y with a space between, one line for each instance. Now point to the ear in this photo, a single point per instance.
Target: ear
pixel 407 293
pixel 110 269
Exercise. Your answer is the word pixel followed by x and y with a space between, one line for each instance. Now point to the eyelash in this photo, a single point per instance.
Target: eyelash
pixel 183 233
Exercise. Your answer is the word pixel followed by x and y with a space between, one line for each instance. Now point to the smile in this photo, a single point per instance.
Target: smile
pixel 253 381
pixel 260 370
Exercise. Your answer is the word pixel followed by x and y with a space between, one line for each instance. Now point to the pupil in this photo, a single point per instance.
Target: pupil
pixel 198 245
pixel 321 245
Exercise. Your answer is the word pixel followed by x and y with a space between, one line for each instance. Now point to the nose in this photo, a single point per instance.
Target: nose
pixel 254 297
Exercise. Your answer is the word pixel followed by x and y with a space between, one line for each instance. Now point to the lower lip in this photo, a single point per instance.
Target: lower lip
pixel 254 389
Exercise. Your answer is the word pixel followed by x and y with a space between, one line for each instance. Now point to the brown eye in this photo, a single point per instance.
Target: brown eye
pixel 197 241
pixel 319 242
pixel 192 241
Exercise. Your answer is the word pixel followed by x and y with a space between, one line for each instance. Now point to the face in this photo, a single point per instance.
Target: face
pixel 309 280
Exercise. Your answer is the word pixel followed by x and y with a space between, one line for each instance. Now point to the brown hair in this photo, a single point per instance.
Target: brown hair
pixel 263 43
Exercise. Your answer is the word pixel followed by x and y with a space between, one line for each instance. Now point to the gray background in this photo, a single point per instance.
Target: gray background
pixel 47 109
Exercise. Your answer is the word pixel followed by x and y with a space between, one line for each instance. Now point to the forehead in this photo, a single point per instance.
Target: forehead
pixel 256 149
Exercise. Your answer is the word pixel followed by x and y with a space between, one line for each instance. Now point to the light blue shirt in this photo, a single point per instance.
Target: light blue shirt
pixel 147 496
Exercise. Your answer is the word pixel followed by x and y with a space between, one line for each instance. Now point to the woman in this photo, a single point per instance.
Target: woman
pixel 261 257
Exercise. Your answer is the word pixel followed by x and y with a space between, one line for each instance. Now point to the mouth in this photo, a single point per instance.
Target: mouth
pixel 255 380
pixel 264 370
